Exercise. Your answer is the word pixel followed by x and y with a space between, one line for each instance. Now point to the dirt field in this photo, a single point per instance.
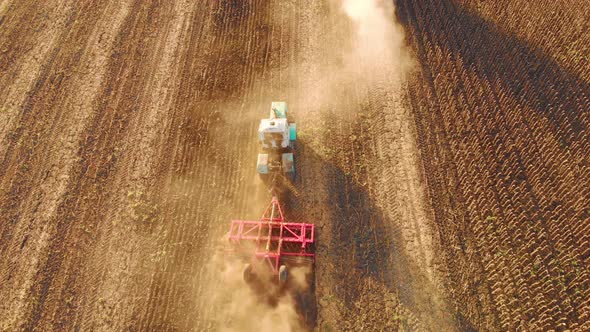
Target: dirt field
pixel 443 156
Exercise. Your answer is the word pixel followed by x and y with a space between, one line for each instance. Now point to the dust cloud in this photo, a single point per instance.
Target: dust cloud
pixel 378 42
pixel 370 50
pixel 242 307
pixel 359 50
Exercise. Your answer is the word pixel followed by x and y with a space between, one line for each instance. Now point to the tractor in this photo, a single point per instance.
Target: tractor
pixel 272 246
pixel 276 136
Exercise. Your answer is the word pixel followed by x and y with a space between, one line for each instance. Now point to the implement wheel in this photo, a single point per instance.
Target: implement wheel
pixel 248 274
pixel 283 274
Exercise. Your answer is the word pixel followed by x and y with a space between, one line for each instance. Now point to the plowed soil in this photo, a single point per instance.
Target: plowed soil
pixel 443 160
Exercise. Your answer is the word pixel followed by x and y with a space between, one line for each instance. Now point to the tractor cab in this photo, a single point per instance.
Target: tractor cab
pixel 277 137
pixel 274 133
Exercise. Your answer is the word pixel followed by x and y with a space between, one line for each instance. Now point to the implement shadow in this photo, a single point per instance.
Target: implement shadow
pixel 356 243
pixel 527 73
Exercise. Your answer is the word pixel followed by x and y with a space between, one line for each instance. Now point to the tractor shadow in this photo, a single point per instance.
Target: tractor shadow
pixel 529 75
pixel 355 242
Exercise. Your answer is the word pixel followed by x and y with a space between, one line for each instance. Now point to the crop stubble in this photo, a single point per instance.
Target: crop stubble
pixel 501 102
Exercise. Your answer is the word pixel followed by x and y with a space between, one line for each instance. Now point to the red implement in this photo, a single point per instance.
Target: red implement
pixel 273 238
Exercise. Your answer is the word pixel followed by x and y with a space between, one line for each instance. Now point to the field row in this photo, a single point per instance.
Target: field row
pixel 505 136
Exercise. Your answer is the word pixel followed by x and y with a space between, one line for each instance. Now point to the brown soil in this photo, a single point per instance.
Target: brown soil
pixel 447 173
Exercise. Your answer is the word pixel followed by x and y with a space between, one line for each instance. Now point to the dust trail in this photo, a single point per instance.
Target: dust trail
pixel 373 54
pixel 240 307
pixel 378 42
pixel 366 51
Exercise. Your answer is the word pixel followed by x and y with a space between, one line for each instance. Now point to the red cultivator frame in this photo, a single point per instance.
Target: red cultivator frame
pixel 273 238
